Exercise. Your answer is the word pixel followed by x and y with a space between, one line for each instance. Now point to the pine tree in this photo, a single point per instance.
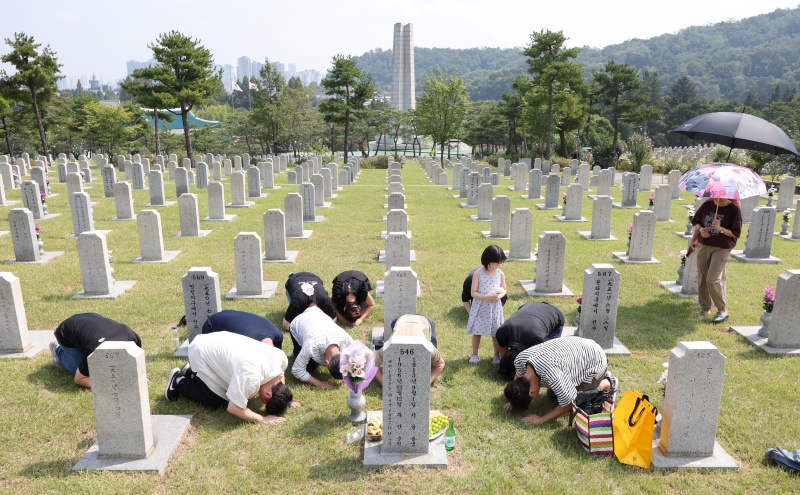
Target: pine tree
pixel 34 82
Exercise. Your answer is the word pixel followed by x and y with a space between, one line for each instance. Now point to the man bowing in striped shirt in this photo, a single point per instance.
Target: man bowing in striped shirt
pixel 564 366
pixel 316 340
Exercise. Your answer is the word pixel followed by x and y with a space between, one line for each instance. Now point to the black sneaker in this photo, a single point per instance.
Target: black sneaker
pixel 171 393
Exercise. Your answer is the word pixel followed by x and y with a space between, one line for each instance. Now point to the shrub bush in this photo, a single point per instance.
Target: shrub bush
pixel 380 162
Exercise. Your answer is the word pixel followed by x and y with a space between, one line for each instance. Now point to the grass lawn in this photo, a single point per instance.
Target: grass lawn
pixel 47 423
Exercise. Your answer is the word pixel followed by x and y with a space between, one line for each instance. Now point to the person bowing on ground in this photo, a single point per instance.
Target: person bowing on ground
pixel 248 324
pixel 352 298
pixel 305 289
pixel 226 370
pixel 316 340
pixel 532 324
pixel 79 335
pixel 565 366
pixel 413 326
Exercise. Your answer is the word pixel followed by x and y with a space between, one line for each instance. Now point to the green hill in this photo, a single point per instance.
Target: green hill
pixel 727 59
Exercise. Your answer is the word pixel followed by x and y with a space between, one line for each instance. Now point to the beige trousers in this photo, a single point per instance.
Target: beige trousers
pixel 711 263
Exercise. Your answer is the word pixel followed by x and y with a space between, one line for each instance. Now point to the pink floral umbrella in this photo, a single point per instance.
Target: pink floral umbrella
pixel 722 180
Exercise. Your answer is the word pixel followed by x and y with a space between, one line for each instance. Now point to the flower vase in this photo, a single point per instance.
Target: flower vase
pixel 578 320
pixel 650 207
pixel 785 228
pixel 681 268
pixel 40 243
pixel 628 250
pixel 769 201
pixel 765 319
pixel 356 403
pixel 689 227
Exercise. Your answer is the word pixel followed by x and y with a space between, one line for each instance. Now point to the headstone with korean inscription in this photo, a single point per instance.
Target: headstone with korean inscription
pixel 109 176
pixel 123 201
pixel 601 219
pixel 630 188
pixel 786 193
pixel 138 176
pixel 319 193
pixel 398 250
pixel 151 238
pixel 501 218
pixel 308 193
pixel 216 203
pixel 646 178
pixel 662 203
pixel 673 179
pixel 784 329
pixel 275 236
pixel 758 243
pixel 399 296
pixel 181 181
pixel 14 337
pixel 485 196
pixel 406 395
pixel 156 188
pixel 201 297
pixel 95 264
pixel 598 316
pixel 81 208
pixel 550 262
pixel 23 235
pixel 293 208
pixel 189 215
pixel 642 236
pixel 254 183
pixel 521 234
pixel 32 198
pixel 121 401
pixel 238 199
pixel 249 271
pixel 535 184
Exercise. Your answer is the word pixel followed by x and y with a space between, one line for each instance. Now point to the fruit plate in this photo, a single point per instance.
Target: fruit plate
pixel 437 435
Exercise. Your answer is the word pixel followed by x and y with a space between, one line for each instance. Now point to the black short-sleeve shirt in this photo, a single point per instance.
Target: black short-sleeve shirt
pixel 86 331
pixel 530 325
pixel 243 323
pixel 306 288
pixel 350 282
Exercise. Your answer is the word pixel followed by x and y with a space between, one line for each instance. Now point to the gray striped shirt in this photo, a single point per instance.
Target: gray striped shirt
pixel 563 364
pixel 315 332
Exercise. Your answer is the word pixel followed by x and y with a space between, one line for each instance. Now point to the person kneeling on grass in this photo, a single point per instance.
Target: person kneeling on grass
pixel 413 326
pixel 316 340
pixel 226 370
pixel 563 365
pixel 79 335
pixel 243 323
pixel 532 324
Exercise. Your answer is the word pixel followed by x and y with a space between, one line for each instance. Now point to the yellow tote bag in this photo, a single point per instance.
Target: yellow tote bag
pixel 633 421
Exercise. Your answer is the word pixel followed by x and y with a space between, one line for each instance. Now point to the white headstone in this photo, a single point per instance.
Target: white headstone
pixel 521 234
pixel 123 200
pixel 201 297
pixel 274 235
pixel 249 271
pixel 599 304
pixel 189 215
pixel 399 296
pixel 784 329
pixel 95 263
pixel 293 206
pixel 13 321
pixel 550 262
pixel 23 235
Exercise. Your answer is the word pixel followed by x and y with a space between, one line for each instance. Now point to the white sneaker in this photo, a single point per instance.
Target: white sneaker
pixel 473 359
pixel 54 355
pixel 496 361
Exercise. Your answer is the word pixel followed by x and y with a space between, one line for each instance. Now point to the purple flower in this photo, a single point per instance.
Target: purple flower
pixel 38 228
pixel 769 298
pixel 630 228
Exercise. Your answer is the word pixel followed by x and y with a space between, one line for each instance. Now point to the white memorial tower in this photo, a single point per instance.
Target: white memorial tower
pixel 403 80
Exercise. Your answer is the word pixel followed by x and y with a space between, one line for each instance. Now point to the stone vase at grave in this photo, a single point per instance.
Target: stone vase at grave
pixel 599 304
pixel 201 297
pixel 784 328
pixel 692 400
pixel 521 234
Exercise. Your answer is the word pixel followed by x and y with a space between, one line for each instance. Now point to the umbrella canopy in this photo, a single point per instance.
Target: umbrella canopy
pixel 738 130
pixel 722 180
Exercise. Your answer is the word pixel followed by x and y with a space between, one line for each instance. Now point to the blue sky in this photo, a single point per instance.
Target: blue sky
pixel 89 36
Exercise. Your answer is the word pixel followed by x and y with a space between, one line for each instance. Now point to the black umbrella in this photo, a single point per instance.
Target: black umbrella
pixel 738 130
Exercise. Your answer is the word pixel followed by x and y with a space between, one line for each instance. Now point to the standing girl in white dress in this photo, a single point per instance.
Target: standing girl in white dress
pixel 486 314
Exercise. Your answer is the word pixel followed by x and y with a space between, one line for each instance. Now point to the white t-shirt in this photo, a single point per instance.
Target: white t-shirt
pixel 234 366
pixel 315 332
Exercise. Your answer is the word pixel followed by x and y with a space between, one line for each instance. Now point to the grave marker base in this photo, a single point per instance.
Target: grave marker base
pixel 719 459
pixel 328 205
pixel 227 218
pixel 124 219
pixel 527 196
pixel 751 334
pixel 475 218
pixel 104 232
pixel 625 258
pixel 168 256
pixel 291 256
pixel 465 205
pixel 119 288
pixel 562 218
pixel 39 340
pixel 168 431
pixel 436 457
pixel 50 215
pixel 588 236
pixel 684 235
pixel 306 235
pixel 593 196
pixel 740 256
pixel 619 205
pixel 317 218
pixel 382 256
pixel 530 288
pixel 788 236
pixel 44 258
pixel 162 205
pixel 200 233
pixel 618 349
pixel 543 207
pixel 676 289
pixel 487 234
pixel 268 288
pixel 531 257
pixel 247 204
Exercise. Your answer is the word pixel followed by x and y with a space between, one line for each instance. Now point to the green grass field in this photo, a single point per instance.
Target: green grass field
pixel 47 423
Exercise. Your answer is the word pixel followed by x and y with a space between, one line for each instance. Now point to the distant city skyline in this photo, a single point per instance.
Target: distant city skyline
pixel 89 38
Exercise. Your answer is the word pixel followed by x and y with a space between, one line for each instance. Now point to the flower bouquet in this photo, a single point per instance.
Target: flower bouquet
pixel 787 214
pixel 769 298
pixel 630 230
pixel 652 199
pixel 357 365
pixel 579 300
pixel 564 198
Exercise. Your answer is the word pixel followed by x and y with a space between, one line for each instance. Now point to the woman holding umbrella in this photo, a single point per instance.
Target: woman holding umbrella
pixel 717 226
